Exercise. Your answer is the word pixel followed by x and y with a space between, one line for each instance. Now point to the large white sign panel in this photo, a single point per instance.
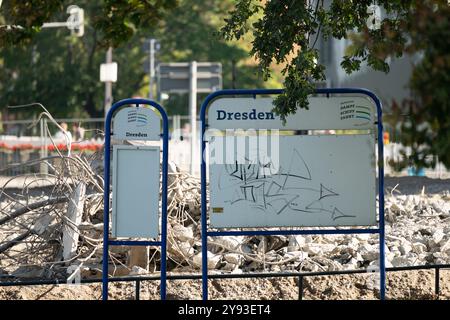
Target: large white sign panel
pixel 137 123
pixel 135 209
pixel 324 113
pixel 316 180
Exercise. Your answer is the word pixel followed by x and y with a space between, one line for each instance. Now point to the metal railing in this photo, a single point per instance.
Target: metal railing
pixel 24 140
pixel 37 135
pixel 299 275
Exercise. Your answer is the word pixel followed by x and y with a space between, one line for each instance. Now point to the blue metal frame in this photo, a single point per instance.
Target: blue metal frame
pixel 381 226
pixel 106 241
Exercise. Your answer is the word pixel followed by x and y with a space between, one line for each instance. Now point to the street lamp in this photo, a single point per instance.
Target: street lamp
pixel 374 20
pixel 108 75
pixel 75 22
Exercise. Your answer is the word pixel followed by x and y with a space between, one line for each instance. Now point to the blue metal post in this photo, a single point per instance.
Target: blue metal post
pixel 381 201
pixel 106 204
pixel 203 206
pixel 164 204
pixel 106 241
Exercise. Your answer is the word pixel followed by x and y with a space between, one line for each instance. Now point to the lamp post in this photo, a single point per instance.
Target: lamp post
pixel 108 75
pixel 75 22
pixel 154 46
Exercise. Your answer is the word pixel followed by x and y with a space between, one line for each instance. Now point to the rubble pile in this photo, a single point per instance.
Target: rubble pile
pixel 57 237
pixel 417 233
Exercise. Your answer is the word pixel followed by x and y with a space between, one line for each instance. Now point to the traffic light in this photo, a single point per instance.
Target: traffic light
pixel 75 22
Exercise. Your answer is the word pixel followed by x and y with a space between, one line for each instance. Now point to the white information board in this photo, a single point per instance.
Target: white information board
pixel 316 180
pixel 135 204
pixel 137 123
pixel 324 113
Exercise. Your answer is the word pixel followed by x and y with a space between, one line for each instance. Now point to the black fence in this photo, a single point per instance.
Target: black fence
pixel 300 277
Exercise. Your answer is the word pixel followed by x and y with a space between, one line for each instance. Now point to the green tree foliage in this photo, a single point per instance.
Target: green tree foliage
pixel 426 129
pixel 189 33
pixel 62 71
pixel 286 33
pixel 116 21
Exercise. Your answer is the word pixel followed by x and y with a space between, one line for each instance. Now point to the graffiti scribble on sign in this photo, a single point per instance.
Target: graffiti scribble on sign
pixel 278 190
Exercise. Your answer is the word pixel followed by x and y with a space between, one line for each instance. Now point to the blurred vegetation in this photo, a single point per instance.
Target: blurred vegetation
pixel 62 72
pixel 286 32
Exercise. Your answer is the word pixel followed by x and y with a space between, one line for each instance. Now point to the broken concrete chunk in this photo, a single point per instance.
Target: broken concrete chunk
pixel 213 260
pixel 42 224
pixel 136 270
pixel 419 247
pixel 30 272
pixel 233 258
pixel 445 246
pixel 405 248
pixel 183 233
pixel 318 248
pixel 230 267
pixel 230 242
pixel 295 242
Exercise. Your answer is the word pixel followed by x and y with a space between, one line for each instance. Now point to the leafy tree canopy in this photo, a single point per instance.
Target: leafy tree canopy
pixel 62 71
pixel 115 20
pixel 286 33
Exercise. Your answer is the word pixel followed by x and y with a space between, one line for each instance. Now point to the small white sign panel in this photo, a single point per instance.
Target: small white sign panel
pixel 324 113
pixel 135 209
pixel 108 72
pixel 137 123
pixel 316 180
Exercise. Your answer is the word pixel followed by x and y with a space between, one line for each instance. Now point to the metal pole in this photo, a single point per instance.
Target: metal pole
pixel 382 236
pixel 233 74
pixel 176 133
pixel 436 282
pixel 41 127
pixel 44 166
pixel 300 288
pixel 106 177
pixel 152 68
pixel 193 111
pixel 108 84
pixel 164 174
pixel 55 25
pixel 138 290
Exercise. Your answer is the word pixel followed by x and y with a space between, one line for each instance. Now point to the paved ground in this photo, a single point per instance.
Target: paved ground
pixel 404 285
pixel 414 185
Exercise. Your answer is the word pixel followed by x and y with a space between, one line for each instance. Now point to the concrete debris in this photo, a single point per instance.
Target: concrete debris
pixel 31 272
pixel 419 247
pixel 295 243
pixel 42 224
pixel 213 260
pixel 230 243
pixel 417 233
pixel 183 233
pixel 136 270
pixel 74 215
pixel 233 258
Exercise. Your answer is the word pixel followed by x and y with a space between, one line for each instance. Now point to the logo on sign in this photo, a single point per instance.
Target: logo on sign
pixel 139 118
pixel 350 110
